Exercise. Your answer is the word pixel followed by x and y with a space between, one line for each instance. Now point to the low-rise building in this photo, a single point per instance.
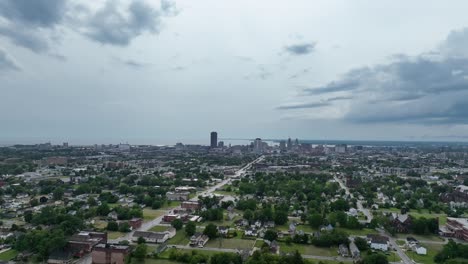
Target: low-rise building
pixel 151 237
pixel 110 254
pixel 177 196
pixel 378 242
pixel 198 240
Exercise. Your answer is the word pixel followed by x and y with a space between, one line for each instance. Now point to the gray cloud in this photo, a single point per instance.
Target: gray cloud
pixel 302 106
pixel 300 49
pixel 29 22
pixel 422 89
pixel 7 62
pixel 110 26
pixel 38 13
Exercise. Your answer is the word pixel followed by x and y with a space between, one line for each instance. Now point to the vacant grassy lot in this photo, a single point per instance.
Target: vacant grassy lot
pixel 150 214
pixel 308 250
pixel 421 238
pixel 114 234
pixel 8 255
pixel 359 232
pixel 234 243
pixel 160 228
pixel 166 253
pixel 432 250
pixel 179 239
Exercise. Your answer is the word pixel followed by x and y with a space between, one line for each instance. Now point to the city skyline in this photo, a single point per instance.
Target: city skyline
pixel 325 70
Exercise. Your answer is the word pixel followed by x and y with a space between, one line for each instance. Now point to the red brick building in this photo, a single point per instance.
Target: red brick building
pixel 456 227
pixel 110 254
pixel 191 205
pixel 84 242
pixel 135 223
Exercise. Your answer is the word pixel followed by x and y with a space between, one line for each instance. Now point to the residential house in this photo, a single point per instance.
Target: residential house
pixel 198 240
pixel 250 232
pixel 378 242
pixel 343 250
pixel 354 250
pixel 223 230
pixel 401 222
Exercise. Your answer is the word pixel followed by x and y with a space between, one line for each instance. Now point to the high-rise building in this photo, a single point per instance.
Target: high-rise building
pixel 221 144
pixel 214 139
pixel 258 145
pixel 296 142
pixel 289 143
pixel 282 145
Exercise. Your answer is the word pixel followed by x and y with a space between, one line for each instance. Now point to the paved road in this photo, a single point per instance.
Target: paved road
pixel 239 173
pixel 361 208
pixel 404 258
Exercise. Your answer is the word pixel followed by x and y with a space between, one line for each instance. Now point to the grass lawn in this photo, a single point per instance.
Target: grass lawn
pixel 160 228
pixel 307 249
pixel 170 204
pixel 401 242
pixel 8 255
pixel 154 261
pixel 99 224
pixel 179 239
pixel 234 243
pixel 166 253
pixel 442 217
pixel 114 234
pixel 421 238
pixel 432 250
pixel 393 257
pixel 150 214
pixel 359 232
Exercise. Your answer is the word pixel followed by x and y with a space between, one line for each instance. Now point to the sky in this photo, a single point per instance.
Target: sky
pixel 159 72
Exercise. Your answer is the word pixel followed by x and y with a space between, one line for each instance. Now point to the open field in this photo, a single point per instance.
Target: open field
pixel 166 253
pixel 179 239
pixel 421 238
pixel 308 249
pixel 8 255
pixel 159 228
pixel 234 243
pixel 432 250
pixel 359 232
pixel 114 234
pixel 150 214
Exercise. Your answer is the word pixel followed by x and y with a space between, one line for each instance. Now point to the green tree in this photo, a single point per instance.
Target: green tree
pixel 378 258
pixel 361 243
pixel 211 231
pixel 281 217
pixel 58 193
pixel 315 220
pixel 270 235
pixel 190 228
pixel 177 224
pixel 140 251
pixel 112 226
pixel 124 227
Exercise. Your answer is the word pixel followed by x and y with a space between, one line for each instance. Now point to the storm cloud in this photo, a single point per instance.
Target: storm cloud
pixel 421 89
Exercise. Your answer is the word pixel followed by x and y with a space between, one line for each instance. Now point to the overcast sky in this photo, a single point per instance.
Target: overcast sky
pixel 162 72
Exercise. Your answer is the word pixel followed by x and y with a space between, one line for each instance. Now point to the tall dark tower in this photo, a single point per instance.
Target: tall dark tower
pixel 214 140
